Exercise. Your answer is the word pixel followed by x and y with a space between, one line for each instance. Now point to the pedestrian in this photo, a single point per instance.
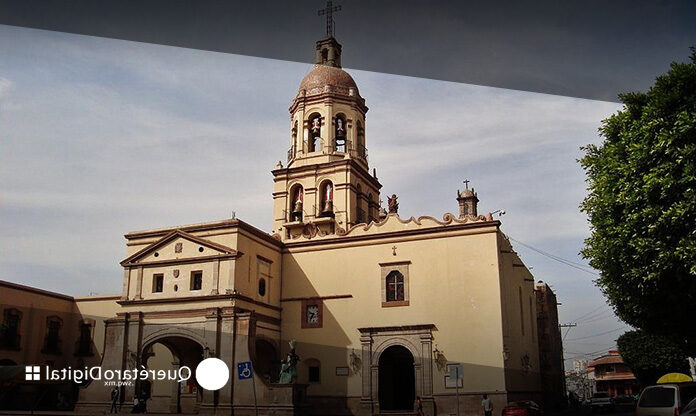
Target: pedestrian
pixel 487 406
pixel 136 405
pixel 418 406
pixel 114 399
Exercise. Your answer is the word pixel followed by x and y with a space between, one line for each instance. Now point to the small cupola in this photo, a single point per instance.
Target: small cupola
pixel 328 52
pixel 468 202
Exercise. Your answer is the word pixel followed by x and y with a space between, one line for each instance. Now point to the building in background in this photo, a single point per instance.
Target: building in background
pixel 550 347
pixel 612 376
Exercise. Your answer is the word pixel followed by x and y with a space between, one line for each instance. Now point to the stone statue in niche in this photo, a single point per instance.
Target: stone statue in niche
pixel 393 205
pixel 288 368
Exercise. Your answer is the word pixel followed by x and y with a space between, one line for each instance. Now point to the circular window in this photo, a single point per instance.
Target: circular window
pixel 200 249
pixel 156 254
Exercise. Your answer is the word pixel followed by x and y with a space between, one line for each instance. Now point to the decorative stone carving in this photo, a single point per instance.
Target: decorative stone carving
pixel 393 205
pixel 178 247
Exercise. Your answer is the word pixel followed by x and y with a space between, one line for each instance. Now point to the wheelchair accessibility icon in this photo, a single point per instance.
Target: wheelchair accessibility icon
pixel 244 370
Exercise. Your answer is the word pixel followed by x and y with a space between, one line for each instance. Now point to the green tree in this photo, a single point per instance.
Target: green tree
pixel 642 206
pixel 651 356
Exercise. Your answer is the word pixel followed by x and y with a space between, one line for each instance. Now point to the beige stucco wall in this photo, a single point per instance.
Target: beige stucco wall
pixel 453 283
pixel 519 322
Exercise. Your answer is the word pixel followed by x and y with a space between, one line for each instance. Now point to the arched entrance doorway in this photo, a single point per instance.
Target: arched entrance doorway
pixel 171 396
pixel 397 381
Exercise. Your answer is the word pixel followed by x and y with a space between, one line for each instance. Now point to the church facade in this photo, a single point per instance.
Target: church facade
pixel 382 309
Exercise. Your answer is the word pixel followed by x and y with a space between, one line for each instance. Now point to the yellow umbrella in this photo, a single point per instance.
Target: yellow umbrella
pixel 674 378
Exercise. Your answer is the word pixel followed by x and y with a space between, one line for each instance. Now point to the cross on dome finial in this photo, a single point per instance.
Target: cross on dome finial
pixel 328 11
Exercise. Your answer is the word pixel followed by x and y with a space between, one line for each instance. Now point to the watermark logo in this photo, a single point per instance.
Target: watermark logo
pixel 212 374
pixel 33 372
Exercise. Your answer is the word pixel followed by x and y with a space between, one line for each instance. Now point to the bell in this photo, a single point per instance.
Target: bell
pixel 328 206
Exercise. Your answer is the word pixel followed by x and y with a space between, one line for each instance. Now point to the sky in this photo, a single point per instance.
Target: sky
pixel 100 136
pixel 590 49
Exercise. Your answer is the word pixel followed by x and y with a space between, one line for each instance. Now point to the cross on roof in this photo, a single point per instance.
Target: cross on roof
pixel 466 182
pixel 328 11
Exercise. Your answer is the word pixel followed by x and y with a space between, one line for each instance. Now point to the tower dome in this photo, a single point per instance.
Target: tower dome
pixel 325 78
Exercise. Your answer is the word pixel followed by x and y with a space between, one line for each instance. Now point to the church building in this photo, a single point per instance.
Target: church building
pixel 380 309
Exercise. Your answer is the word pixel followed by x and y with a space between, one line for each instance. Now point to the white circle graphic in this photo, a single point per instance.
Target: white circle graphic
pixel 212 374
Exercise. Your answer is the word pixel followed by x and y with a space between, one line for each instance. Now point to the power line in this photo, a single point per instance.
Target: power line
pixel 598 308
pixel 597 335
pixel 570 263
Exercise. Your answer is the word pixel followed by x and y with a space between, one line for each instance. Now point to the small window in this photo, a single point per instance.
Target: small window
pixel 262 287
pixel 313 370
pixel 52 341
pixel 84 343
pixel 394 278
pixel 314 374
pixel 9 330
pixel 196 280
pixel 157 283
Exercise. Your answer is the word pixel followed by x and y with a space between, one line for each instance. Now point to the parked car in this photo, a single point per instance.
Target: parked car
pixel 665 399
pixel 522 408
pixel 689 409
pixel 625 403
pixel 601 401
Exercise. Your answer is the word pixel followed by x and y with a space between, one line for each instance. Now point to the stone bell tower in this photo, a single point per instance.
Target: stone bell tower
pixel 326 185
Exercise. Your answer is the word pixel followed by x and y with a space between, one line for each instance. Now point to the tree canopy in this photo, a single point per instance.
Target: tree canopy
pixel 641 205
pixel 651 356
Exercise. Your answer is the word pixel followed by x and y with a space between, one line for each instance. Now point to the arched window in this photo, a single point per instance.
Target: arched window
pixel 326 190
pixel 395 286
pixel 340 133
pixel 314 138
pixel 296 202
pixel 262 287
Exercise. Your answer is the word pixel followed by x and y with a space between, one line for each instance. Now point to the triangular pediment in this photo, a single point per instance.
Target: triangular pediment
pixel 178 245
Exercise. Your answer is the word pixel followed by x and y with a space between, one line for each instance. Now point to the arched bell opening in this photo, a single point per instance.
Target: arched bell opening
pixel 326 195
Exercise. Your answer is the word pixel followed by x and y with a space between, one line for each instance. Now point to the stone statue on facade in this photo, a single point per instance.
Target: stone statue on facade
pixel 393 205
pixel 288 368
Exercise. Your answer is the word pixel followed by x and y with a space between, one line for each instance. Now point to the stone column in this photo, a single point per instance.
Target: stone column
pixel 126 283
pixel 174 400
pixel 226 352
pixel 366 400
pixel 139 284
pixel 426 340
pixel 216 277
pixel 210 341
